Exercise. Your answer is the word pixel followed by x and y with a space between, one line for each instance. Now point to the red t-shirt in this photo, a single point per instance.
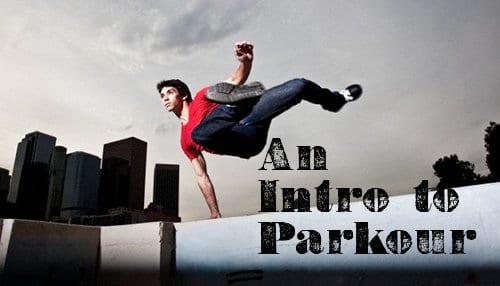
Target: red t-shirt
pixel 199 108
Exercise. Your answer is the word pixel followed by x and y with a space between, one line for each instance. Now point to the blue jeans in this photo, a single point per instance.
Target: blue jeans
pixel 241 130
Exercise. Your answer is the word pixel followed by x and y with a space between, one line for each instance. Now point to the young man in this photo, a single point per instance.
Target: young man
pixel 240 128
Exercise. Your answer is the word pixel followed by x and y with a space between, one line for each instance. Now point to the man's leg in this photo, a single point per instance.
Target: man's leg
pixel 222 133
pixel 282 97
pixel 241 130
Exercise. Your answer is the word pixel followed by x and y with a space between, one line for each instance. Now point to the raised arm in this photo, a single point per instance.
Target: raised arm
pixel 205 185
pixel 243 52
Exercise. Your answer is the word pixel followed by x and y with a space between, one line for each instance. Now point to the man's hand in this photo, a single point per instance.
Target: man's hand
pixel 243 51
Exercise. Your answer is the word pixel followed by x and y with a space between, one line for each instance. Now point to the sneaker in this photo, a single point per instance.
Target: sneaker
pixel 352 92
pixel 348 94
pixel 229 93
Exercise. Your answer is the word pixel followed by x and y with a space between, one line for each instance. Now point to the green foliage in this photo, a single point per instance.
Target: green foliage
pixel 492 145
pixel 453 172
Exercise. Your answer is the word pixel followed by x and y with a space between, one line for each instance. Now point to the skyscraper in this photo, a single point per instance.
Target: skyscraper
pixel 81 185
pixel 4 190
pixel 56 182
pixel 123 174
pixel 166 188
pixel 30 176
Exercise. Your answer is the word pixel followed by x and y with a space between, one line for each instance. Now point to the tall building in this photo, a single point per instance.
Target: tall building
pixel 4 190
pixel 123 174
pixel 56 182
pixel 30 176
pixel 166 188
pixel 81 185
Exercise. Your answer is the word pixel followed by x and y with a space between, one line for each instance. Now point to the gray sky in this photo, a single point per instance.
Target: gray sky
pixel 85 72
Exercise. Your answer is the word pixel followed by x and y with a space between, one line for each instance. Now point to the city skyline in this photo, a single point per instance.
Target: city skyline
pixel 53 185
pixel 87 72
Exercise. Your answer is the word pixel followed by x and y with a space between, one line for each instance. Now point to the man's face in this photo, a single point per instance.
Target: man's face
pixel 171 98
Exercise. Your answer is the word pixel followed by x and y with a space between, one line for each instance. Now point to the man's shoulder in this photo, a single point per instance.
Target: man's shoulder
pixel 200 101
pixel 201 94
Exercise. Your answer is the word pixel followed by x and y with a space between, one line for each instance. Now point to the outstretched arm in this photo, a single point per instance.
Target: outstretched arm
pixel 243 52
pixel 205 185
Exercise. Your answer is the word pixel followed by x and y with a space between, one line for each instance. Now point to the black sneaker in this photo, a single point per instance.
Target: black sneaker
pixel 342 97
pixel 352 92
pixel 229 93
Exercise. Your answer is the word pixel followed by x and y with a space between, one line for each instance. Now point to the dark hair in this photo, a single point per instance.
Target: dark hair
pixel 178 84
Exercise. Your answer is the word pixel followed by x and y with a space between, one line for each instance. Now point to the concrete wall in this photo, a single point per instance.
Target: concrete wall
pixel 3 250
pixel 228 251
pixel 39 253
pixel 138 254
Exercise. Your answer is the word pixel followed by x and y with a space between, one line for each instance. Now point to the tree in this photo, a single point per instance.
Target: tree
pixel 453 172
pixel 492 144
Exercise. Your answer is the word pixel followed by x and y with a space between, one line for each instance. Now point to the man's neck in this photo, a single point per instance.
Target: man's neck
pixel 183 113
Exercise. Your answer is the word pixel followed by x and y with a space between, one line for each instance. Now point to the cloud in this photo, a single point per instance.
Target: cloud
pixel 161 129
pixel 168 126
pixel 203 23
pixel 132 35
pixel 123 128
pixel 163 34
